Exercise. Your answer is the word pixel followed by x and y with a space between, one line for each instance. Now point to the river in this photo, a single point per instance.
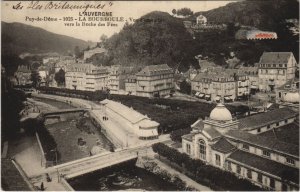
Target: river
pixel 121 177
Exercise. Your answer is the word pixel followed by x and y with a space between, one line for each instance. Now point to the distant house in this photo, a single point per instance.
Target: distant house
pixel 275 69
pixel 201 20
pixel 130 84
pixel 155 81
pixel 23 75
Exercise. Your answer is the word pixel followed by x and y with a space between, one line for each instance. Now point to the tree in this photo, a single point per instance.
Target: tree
pixel 60 77
pixel 35 78
pixel 185 11
pixel 174 11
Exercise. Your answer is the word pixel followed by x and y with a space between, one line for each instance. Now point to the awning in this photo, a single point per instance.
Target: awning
pixel 227 98
pixel 148 132
pixel 201 95
pixel 254 87
pixel 217 98
pixel 207 96
pixel 197 94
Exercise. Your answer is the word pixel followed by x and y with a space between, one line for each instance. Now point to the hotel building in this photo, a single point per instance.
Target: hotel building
pixel 275 69
pixel 262 148
pixel 86 77
pixel 155 81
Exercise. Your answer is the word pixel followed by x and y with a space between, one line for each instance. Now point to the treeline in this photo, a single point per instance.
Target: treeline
pixel 202 173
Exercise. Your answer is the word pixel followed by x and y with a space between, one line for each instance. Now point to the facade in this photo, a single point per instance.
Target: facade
pixel 275 69
pixel 86 77
pixel 133 121
pixel 231 145
pixel 252 73
pixel 130 85
pixel 201 20
pixel 90 53
pixel 155 81
pixel 214 85
pixel 23 74
pixel 117 78
pixel 288 94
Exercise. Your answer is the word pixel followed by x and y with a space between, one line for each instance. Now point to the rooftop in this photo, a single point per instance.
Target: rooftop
pixel 223 146
pixel 155 70
pixel 269 143
pixel 265 165
pixel 275 57
pixel 263 119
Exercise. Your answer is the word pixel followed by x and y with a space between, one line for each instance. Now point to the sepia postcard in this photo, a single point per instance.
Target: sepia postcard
pixel 150 95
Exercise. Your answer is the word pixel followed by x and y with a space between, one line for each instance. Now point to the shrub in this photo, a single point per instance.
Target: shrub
pixel 176 134
pixel 208 175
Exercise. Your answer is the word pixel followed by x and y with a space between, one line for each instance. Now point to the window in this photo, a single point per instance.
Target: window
pixel 266 153
pixel 259 177
pixel 249 173
pixel 218 160
pixel 246 147
pixel 238 169
pixel 285 121
pixel 229 166
pixel 202 149
pixel 268 127
pixel 188 148
pixel 272 183
pixel 258 130
pixel 290 161
pixel 277 124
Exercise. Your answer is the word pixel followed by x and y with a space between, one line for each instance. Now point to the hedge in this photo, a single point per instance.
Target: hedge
pixel 176 134
pixel 205 174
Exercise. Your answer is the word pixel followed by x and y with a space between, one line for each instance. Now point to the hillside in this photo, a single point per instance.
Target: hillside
pixel 260 14
pixel 155 38
pixel 18 38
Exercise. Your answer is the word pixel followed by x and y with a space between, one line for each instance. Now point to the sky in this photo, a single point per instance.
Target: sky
pixel 126 9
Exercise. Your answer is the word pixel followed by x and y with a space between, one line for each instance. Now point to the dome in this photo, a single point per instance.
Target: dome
pixel 220 113
pixel 292 97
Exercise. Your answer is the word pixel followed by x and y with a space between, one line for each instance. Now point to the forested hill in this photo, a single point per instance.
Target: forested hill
pixel 18 38
pixel 257 13
pixel 155 38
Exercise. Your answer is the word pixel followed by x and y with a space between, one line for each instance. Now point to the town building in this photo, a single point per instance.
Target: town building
pixel 97 50
pixel 132 121
pixel 288 94
pixel 252 73
pixel 155 81
pixel 117 76
pixel 130 85
pixel 201 20
pixel 275 69
pixel 86 77
pixel 250 147
pixel 23 75
pixel 217 83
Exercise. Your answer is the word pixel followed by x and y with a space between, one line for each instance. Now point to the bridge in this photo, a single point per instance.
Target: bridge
pixel 84 166
pixel 62 111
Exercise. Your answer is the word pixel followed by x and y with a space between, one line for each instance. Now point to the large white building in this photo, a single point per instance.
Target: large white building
pixel 275 69
pixel 251 147
pixel 133 121
pixel 86 77
pixel 155 81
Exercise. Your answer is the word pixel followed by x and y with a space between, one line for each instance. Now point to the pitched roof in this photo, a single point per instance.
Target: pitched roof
pixel 188 137
pixel 128 113
pixel 275 57
pixel 265 165
pixel 222 145
pixel 263 119
pixel 155 70
pixel 269 143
